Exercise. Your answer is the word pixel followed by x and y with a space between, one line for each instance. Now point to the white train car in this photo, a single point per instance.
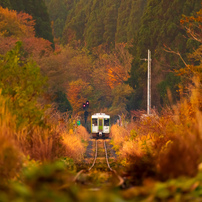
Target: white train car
pixel 100 125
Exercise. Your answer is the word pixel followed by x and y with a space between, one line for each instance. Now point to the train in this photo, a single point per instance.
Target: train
pixel 100 125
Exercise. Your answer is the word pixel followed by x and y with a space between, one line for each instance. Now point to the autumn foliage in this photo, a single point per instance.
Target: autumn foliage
pixel 78 92
pixel 163 146
pixel 35 80
pixel 167 145
pixel 20 26
pixel 14 24
pixel 27 128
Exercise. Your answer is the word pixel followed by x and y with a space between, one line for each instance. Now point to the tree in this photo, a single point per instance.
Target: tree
pixel 78 92
pixel 122 21
pixel 5 3
pixel 193 27
pixel 76 22
pixel 96 22
pixel 37 9
pixel 110 23
pixel 93 35
pixel 160 26
pixel 110 73
pixel 63 105
pixel 15 26
pixel 18 25
pixel 117 65
pixel 22 82
pixel 58 14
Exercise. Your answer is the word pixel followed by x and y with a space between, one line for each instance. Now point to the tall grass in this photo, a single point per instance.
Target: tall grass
pixel 119 136
pixel 43 144
pixel 10 155
pixel 165 145
pixel 53 143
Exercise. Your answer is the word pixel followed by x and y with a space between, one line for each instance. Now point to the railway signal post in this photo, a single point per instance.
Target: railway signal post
pixel 85 107
pixel 85 116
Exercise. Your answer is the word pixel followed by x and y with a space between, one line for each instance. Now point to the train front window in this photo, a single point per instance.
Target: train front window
pixel 94 122
pixel 106 122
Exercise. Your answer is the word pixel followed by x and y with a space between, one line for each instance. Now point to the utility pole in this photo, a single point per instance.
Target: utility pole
pixel 148 82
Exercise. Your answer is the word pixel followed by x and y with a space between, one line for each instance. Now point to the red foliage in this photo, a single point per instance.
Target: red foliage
pixel 28 21
pixel 6 44
pixel 38 47
pixel 20 26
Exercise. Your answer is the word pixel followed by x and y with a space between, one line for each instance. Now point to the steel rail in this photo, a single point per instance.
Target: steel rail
pixel 106 156
pixel 81 171
pixel 121 180
pixel 95 156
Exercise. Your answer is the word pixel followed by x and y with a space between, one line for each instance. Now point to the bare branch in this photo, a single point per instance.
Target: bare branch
pixel 193 35
pixel 169 50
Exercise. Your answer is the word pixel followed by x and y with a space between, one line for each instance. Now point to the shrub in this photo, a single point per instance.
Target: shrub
pixel 166 145
pixel 119 135
pixel 53 143
pixel 82 133
pixel 73 146
pixel 23 83
pixel 10 155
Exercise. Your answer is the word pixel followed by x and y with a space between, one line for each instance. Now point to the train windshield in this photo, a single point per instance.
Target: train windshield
pixel 106 122
pixel 94 121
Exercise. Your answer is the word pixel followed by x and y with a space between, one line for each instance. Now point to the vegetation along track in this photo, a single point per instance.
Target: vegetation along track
pixel 102 151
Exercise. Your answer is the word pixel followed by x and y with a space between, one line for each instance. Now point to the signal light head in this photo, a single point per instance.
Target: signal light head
pixel 87 104
pixel 84 105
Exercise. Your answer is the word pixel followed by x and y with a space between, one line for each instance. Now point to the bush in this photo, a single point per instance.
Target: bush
pixel 164 146
pixel 119 135
pixel 10 155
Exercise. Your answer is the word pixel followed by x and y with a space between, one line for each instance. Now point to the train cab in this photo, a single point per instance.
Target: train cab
pixel 100 125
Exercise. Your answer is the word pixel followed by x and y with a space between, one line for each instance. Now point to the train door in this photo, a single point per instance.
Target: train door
pixel 100 125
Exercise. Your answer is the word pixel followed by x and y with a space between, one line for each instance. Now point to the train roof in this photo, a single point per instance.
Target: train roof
pixel 100 115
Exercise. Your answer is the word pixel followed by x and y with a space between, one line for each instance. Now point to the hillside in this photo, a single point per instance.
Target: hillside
pixel 145 24
pixel 94 22
pixel 160 29
pixel 98 28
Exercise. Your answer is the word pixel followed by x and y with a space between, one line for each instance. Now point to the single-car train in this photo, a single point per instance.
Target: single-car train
pixel 100 125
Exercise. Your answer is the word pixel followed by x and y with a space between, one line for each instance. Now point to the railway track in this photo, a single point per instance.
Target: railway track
pixel 100 151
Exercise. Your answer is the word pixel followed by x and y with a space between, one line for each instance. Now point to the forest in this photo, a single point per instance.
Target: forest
pixel 56 54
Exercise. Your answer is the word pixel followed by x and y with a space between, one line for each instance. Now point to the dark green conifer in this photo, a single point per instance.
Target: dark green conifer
pixel 160 27
pixel 5 3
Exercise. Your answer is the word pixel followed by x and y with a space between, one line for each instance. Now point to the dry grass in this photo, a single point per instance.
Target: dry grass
pixel 119 136
pixel 54 143
pixel 73 146
pixel 40 143
pixel 167 145
pixel 82 133
pixel 10 155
